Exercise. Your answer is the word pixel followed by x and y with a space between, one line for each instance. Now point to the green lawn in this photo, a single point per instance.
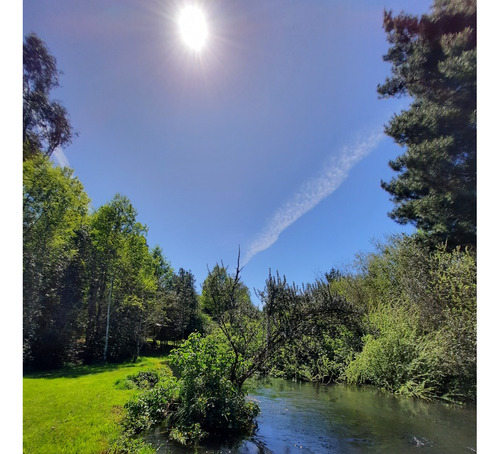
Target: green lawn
pixel 76 410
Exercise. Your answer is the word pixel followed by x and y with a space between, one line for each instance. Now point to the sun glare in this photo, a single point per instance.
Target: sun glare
pixel 193 28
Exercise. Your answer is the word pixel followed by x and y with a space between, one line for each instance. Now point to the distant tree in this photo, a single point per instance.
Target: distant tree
pixel 183 286
pixel 120 276
pixel 179 311
pixel 434 62
pixel 163 269
pixel 46 124
pixel 217 286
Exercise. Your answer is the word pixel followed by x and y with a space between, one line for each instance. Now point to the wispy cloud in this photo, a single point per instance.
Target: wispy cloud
pixel 60 157
pixel 311 193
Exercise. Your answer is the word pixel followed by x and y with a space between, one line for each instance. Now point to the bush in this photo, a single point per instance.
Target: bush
pixel 144 379
pixel 150 407
pixel 316 358
pixel 208 402
pixel 202 402
pixel 421 320
pixel 388 352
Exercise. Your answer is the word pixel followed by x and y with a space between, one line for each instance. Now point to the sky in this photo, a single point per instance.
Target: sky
pixel 269 141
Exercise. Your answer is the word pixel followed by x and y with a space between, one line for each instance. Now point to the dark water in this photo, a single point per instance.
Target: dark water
pixel 306 418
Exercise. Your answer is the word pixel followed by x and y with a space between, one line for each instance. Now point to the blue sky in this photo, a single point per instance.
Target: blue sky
pixel 270 139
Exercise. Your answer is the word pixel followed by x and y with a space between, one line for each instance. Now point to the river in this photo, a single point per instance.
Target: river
pixel 309 418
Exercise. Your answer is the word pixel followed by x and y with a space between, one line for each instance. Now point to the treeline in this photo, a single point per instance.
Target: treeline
pixel 410 326
pixel 93 288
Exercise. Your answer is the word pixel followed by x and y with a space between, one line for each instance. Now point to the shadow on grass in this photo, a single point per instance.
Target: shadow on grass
pixel 79 371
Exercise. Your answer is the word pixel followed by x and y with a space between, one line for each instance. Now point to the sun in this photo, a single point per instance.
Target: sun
pixel 193 27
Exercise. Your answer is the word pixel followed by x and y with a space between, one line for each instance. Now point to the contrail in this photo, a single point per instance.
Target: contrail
pixel 60 157
pixel 311 193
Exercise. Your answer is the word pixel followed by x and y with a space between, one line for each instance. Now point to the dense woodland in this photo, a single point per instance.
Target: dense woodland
pixel 402 318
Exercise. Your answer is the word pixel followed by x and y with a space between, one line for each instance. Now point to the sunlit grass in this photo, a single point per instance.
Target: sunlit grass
pixel 76 410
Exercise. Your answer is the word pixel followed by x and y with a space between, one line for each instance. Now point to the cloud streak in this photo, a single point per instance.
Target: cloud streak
pixel 60 157
pixel 310 194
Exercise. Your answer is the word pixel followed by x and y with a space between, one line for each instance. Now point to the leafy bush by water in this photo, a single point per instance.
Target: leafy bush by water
pixel 150 407
pixel 201 402
pixel 209 403
pixel 420 321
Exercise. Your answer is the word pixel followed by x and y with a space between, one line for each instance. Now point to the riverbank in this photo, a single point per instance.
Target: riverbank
pixel 77 409
pixel 302 417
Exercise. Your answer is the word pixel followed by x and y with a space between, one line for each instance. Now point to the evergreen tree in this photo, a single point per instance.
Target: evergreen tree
pixel 183 286
pixel 434 62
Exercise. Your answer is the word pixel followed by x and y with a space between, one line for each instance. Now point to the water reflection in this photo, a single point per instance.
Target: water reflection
pixel 307 418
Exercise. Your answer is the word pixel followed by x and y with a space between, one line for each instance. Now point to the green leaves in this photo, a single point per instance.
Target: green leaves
pixel 46 123
pixel 54 211
pixel 209 403
pixel 434 61
pixel 76 264
pixel 420 320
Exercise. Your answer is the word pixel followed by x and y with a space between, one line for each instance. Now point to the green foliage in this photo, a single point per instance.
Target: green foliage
pixel 240 324
pixel 319 357
pixel 222 293
pixel 320 329
pixel 145 379
pixel 326 338
pixel 209 403
pixel 434 61
pixel 120 274
pixel 128 445
pixel 46 123
pixel 420 321
pixel 178 311
pixel 90 280
pixel 54 209
pixel 201 402
pixel 386 356
pixel 150 407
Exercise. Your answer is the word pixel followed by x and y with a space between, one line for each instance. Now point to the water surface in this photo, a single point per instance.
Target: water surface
pixel 308 418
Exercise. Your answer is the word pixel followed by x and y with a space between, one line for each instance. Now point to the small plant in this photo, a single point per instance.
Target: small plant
pixel 146 379
pixel 150 407
pixel 188 435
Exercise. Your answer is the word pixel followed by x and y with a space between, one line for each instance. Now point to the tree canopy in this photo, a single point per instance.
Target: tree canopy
pixel 434 62
pixel 46 124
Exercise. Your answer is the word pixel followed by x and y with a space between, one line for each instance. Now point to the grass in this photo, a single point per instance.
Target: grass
pixel 76 410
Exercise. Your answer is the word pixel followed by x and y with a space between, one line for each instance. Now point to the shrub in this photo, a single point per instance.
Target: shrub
pixel 316 358
pixel 208 402
pixel 421 319
pixel 144 379
pixel 202 402
pixel 150 407
pixel 388 351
